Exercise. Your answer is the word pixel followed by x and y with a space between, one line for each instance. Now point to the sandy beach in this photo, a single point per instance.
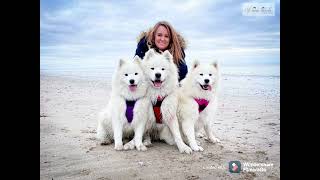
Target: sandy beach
pixel 248 125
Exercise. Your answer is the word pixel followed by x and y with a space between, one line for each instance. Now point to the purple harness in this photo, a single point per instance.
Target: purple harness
pixel 203 103
pixel 129 110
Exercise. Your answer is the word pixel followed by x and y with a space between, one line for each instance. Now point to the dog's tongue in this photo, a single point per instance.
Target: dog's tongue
pixel 132 87
pixel 157 84
pixel 209 88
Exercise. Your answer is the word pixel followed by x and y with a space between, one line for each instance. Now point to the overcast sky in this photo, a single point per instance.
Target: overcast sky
pixel 96 31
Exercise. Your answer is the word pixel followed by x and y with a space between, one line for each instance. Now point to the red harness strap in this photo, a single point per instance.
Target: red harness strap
pixel 157 110
pixel 203 103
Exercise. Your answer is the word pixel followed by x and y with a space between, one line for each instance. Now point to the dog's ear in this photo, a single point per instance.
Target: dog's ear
pixel 215 64
pixel 168 55
pixel 195 64
pixel 149 54
pixel 137 59
pixel 121 62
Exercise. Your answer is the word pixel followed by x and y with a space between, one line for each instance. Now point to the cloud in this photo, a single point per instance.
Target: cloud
pixel 86 31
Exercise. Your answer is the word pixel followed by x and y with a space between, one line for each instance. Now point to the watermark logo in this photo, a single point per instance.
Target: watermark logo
pixel 256 167
pixel 234 166
pixel 258 9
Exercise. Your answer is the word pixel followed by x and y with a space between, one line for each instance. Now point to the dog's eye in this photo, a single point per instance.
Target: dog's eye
pixel 126 74
pixel 152 68
pixel 201 74
pixel 135 73
pixel 210 74
pixel 162 69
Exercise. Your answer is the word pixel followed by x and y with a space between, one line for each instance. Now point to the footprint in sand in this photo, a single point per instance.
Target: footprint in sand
pixel 261 154
pixel 43 115
pixel 271 124
pixel 65 130
pixel 192 177
pixel 103 178
pixel 88 131
pixel 85 172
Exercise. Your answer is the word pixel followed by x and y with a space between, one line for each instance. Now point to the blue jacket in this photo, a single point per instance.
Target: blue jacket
pixel 142 48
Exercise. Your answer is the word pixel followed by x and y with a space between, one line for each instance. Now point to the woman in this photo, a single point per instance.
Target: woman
pixel 163 37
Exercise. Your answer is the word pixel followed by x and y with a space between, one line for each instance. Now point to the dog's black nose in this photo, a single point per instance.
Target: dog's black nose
pixel 206 81
pixel 158 75
pixel 131 81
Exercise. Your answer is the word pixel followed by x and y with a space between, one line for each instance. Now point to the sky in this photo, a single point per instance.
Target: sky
pixel 92 32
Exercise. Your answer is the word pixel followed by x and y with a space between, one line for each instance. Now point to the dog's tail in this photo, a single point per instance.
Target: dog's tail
pixel 104 128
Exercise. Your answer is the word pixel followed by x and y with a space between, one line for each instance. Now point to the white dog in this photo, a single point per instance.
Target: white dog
pixel 125 113
pixel 162 75
pixel 198 102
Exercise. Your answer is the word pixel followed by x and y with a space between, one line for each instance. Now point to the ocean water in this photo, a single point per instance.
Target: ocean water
pixel 259 70
pixel 102 69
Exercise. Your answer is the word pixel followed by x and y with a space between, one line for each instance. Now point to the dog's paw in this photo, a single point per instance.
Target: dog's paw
pixel 147 142
pixel 128 146
pixel 141 147
pixel 118 147
pixel 214 140
pixel 198 142
pixel 196 148
pixel 185 149
pixel 199 135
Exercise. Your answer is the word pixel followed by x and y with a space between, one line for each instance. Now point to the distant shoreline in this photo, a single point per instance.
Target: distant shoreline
pixel 109 76
pixel 102 72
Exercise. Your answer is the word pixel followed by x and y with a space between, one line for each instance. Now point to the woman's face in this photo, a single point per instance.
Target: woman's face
pixel 162 38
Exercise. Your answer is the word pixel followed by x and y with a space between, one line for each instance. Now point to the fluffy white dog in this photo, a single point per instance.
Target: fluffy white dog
pixel 125 113
pixel 198 102
pixel 162 77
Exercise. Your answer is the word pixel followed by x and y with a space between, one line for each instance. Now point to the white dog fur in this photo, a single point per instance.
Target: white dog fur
pixel 162 77
pixel 201 83
pixel 128 83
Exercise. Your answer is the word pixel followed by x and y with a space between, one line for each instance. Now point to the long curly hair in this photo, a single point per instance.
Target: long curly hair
pixel 175 48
